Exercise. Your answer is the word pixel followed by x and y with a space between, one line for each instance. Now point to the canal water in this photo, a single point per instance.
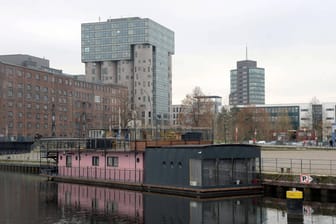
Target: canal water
pixel 32 199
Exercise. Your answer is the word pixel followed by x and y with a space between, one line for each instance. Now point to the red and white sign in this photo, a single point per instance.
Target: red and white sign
pixel 307 210
pixel 305 179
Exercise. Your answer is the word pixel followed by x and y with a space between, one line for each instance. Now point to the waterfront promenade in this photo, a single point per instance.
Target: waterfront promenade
pixel 275 159
pixel 299 160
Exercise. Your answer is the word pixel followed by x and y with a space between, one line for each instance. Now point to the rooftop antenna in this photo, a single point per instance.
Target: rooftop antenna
pixel 99 18
pixel 246 51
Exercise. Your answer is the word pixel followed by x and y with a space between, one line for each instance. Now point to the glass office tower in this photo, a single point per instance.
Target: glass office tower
pixel 247 84
pixel 137 53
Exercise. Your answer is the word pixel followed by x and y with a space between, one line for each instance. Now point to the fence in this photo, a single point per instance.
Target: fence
pixel 299 166
pixel 94 173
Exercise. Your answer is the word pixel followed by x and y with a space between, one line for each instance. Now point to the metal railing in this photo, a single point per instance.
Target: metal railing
pixel 68 144
pixel 96 173
pixel 298 166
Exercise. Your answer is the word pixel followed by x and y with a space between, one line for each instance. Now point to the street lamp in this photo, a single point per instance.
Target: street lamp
pixel 149 98
pixel 134 115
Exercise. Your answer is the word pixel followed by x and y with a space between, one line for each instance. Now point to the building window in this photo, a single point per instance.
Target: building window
pixel 10 92
pixel 113 161
pixel 10 124
pixel 68 161
pixel 95 161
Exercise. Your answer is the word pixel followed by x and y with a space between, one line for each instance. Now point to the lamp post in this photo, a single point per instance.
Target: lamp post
pixel 151 110
pixel 158 118
pixel 134 114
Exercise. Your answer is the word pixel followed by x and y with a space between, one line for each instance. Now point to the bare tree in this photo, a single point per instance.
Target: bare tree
pixel 196 110
pixel 252 123
pixel 225 127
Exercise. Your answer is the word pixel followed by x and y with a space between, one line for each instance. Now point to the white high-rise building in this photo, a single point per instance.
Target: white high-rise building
pixel 136 53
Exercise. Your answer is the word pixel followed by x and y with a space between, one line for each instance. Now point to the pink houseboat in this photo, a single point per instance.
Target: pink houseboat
pixel 106 165
pixel 101 159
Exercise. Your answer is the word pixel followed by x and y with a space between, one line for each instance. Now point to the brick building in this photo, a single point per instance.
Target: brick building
pixel 36 99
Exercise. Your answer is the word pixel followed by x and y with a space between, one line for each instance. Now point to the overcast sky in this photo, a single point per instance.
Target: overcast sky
pixel 294 40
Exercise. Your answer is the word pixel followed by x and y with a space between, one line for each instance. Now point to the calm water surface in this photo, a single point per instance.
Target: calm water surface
pixel 31 199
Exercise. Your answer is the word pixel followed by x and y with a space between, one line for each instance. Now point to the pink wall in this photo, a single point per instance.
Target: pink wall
pixel 122 202
pixel 84 168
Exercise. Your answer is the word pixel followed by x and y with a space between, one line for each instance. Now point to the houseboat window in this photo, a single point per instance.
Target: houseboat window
pixel 164 164
pixel 113 161
pixel 171 164
pixel 68 161
pixel 180 165
pixel 95 161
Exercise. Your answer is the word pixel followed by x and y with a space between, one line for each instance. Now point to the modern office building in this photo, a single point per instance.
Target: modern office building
pixel 247 84
pixel 310 119
pixel 37 99
pixel 136 53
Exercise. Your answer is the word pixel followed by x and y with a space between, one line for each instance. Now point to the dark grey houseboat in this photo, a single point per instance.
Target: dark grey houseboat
pixel 203 170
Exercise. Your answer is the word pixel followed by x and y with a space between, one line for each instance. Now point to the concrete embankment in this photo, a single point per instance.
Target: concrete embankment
pixel 24 162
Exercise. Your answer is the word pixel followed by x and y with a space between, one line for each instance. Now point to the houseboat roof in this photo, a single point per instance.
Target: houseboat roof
pixel 207 146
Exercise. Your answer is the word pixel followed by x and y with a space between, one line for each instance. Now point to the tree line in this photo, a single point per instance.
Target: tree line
pixel 233 124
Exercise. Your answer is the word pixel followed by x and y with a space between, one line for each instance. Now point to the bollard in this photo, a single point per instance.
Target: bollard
pixel 294 200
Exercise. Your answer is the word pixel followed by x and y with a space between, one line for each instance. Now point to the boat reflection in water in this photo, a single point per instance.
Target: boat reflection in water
pixel 138 207
pixel 102 201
